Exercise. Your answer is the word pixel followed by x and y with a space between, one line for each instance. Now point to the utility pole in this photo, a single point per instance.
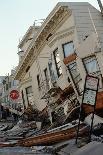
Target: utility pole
pixel 101 6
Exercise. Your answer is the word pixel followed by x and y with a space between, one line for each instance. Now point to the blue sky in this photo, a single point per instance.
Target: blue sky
pixel 15 18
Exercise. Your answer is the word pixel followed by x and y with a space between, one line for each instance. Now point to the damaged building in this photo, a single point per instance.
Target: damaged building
pixel 55 58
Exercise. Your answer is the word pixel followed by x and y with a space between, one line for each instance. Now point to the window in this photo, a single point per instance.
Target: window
pixel 29 94
pixel 29 90
pixel 46 74
pixel 75 75
pixel 52 73
pixel 9 84
pixel 27 69
pixel 6 86
pixel 92 67
pixel 38 80
pixel 14 82
pixel 68 49
pixel 0 81
pixel 57 62
pixel 46 78
pixel 23 99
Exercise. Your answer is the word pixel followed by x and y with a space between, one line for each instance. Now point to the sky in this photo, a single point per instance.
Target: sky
pixel 15 18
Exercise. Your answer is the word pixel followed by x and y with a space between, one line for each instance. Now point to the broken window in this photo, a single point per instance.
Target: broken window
pixel 75 75
pixel 52 73
pixel 57 62
pixel 29 94
pixel 92 67
pixel 68 49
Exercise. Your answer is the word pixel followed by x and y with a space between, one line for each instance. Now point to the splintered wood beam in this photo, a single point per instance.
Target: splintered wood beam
pixel 54 137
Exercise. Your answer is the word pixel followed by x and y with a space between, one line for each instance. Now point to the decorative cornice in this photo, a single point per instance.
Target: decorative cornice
pixel 38 43
pixel 27 80
pixel 25 36
pixel 21 69
pixel 56 21
pixel 60 35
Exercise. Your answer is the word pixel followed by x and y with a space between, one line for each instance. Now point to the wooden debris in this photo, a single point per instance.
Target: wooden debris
pixel 53 137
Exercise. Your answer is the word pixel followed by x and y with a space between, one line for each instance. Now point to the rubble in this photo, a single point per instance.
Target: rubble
pixel 30 137
pixel 97 120
pixel 92 148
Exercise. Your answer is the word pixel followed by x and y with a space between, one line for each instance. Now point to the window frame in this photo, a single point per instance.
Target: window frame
pixel 91 56
pixel 73 79
pixel 56 63
pixel 64 50
pixel 38 81
pixel 23 99
pixel 94 73
pixel 27 93
pixel 27 89
pixel 46 74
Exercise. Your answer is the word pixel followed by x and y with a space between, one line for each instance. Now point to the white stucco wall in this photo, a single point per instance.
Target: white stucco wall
pixel 73 29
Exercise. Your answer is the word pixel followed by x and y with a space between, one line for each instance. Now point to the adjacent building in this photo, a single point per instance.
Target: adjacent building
pixel 8 103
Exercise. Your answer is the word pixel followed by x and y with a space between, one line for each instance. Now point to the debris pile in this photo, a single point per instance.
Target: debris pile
pixel 31 137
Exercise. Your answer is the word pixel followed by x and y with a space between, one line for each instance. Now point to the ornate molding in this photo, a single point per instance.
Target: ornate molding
pixel 53 25
pixel 27 80
pixel 25 36
pixel 21 69
pixel 37 44
pixel 60 35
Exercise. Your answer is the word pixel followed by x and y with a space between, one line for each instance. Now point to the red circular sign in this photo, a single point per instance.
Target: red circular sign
pixel 14 94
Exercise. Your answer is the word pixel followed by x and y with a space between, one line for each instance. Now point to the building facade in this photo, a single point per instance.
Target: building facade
pixel 56 60
pixel 8 86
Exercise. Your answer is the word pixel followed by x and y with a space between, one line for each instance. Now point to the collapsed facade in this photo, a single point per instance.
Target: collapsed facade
pixel 55 58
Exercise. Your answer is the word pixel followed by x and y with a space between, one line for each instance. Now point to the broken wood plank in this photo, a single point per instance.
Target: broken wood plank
pixel 50 138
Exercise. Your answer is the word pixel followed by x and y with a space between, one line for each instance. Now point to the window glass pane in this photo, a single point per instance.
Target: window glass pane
pixel 57 62
pixel 74 70
pixel 59 65
pixel 22 93
pixel 29 90
pixel 91 65
pixel 38 80
pixel 46 74
pixel 68 49
pixel 60 70
pixel 53 74
pixel 57 59
pixel 29 94
pixel 75 76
